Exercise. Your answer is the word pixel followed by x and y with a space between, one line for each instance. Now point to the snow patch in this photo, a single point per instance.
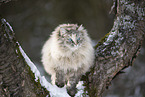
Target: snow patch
pixel 80 88
pixel 8 25
pixel 29 62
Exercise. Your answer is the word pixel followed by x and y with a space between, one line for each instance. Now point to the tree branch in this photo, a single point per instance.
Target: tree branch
pixel 16 77
pixel 4 1
pixel 119 47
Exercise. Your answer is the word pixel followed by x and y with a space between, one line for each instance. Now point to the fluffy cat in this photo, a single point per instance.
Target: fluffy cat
pixel 67 55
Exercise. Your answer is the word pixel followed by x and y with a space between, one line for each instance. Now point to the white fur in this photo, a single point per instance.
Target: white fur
pixel 54 56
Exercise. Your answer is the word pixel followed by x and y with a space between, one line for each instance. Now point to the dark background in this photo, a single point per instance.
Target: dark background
pixel 34 20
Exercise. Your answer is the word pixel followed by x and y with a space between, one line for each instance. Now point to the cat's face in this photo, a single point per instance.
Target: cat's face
pixel 72 38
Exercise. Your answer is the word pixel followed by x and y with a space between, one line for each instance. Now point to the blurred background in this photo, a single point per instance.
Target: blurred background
pixel 34 20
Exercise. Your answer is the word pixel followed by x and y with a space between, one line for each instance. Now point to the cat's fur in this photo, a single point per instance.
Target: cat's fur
pixel 67 55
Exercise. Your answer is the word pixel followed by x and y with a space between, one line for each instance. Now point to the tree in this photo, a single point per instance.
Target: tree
pixel 116 51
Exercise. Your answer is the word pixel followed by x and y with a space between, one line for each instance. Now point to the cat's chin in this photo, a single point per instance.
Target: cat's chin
pixel 74 48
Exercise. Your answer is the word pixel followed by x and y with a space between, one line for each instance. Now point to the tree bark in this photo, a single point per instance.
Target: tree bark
pixel 5 1
pixel 118 49
pixel 16 77
pixel 114 52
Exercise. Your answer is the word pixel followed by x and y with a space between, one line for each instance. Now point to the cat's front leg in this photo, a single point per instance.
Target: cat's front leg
pixel 73 80
pixel 60 78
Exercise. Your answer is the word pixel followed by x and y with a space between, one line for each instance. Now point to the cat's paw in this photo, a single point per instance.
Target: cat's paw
pixel 71 91
pixel 60 84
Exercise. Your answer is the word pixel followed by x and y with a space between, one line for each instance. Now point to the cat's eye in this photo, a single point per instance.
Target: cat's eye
pixel 78 39
pixel 70 40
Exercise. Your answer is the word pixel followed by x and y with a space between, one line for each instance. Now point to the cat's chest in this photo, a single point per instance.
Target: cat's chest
pixel 73 60
pixel 70 57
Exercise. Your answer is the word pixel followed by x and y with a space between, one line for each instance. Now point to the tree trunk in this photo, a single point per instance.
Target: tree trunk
pixel 118 49
pixel 16 77
pixel 114 52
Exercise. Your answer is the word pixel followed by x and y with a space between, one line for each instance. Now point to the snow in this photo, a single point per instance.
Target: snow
pixel 80 88
pixel 8 24
pixel 30 63
pixel 53 89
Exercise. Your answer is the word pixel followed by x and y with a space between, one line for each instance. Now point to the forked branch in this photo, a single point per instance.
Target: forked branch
pixel 115 51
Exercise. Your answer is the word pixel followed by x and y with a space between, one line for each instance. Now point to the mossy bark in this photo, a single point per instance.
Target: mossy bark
pixel 118 49
pixel 16 77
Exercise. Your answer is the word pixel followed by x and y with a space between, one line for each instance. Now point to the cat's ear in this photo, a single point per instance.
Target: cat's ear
pixel 62 31
pixel 80 28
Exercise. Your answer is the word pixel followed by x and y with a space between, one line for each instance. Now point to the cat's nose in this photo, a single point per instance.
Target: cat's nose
pixel 75 42
pixel 74 39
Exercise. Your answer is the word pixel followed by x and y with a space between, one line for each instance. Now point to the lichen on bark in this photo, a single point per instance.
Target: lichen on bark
pixel 119 47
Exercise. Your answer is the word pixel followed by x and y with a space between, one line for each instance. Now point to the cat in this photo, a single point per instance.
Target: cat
pixel 67 55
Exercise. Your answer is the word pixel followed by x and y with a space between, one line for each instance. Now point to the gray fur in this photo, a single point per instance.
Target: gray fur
pixel 67 55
